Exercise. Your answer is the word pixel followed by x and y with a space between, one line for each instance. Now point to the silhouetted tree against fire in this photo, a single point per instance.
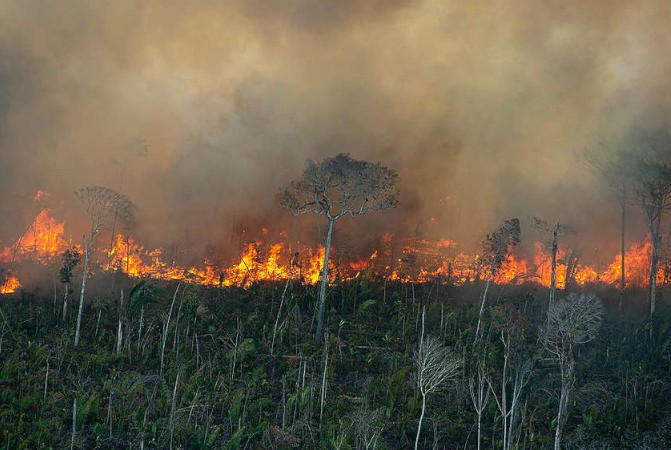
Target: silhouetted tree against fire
pixel 650 163
pixel 552 233
pixel 571 321
pixel 335 187
pixel 101 205
pixel 496 248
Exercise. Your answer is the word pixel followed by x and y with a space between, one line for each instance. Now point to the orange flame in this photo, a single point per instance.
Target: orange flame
pixel 10 285
pixel 412 260
pixel 43 239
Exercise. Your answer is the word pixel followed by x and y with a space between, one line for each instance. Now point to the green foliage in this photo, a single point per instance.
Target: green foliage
pixel 143 293
pixel 623 389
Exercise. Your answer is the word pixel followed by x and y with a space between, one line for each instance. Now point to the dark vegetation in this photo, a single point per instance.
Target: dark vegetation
pixel 194 369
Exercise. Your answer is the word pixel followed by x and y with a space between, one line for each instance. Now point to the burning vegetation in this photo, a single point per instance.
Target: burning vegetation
pixel 396 258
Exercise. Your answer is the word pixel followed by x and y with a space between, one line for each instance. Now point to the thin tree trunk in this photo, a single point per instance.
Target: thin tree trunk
pixel 167 326
pixel 322 396
pixel 55 297
pixel 65 301
pixel 482 306
pixel 322 288
pixel 74 423
pixel 654 265
pixel 553 270
pixel 277 319
pixel 567 372
pixel 46 380
pixel 623 282
pixel 87 251
pixel 421 418
pixel 173 406
pixel 119 335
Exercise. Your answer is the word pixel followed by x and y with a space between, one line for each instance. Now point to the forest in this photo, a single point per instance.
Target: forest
pixel 204 367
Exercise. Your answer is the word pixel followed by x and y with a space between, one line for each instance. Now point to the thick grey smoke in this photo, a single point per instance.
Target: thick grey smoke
pixel 478 106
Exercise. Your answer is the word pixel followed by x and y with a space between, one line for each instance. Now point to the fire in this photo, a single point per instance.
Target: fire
pixel 404 259
pixel 10 285
pixel 43 239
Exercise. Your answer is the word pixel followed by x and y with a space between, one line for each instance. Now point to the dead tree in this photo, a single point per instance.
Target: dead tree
pixel 650 163
pixel 496 248
pixel 336 187
pixel 100 204
pixel 552 233
pixel 435 365
pixel 571 321
pixel 515 375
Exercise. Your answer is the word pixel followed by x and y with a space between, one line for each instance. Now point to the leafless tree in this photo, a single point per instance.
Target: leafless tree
pixel 571 321
pixel 496 248
pixel 477 387
pixel 333 188
pixel 650 164
pixel 435 366
pixel 101 204
pixel 552 233
pixel 608 162
pixel 515 375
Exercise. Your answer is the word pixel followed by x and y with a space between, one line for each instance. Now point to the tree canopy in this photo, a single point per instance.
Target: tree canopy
pixel 341 185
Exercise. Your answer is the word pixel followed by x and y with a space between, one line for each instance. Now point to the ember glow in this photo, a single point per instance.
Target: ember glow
pixel 395 259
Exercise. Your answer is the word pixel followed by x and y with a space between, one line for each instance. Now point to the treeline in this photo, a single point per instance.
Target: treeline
pixel 184 366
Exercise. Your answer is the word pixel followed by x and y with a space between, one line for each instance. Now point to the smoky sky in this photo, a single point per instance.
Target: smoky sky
pixel 480 107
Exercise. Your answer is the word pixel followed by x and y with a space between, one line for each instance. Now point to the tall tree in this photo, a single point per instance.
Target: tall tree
pixel 496 248
pixel 101 205
pixel 649 160
pixel 336 187
pixel 552 233
pixel 570 321
pixel 608 161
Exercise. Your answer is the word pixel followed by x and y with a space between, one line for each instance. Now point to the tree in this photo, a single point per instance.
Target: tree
pixel 333 188
pixel 71 258
pixel 649 161
pixel 608 161
pixel 496 248
pixel 552 233
pixel 435 365
pixel 101 205
pixel 571 321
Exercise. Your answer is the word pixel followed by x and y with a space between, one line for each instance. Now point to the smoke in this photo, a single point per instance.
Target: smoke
pixel 479 107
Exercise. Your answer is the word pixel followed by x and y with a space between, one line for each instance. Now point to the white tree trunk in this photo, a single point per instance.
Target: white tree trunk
pixel 324 281
pixel 87 251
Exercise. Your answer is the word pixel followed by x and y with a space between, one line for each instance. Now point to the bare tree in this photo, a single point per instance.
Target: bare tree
pixel 435 366
pixel 571 321
pixel 101 204
pixel 496 248
pixel 515 375
pixel 336 187
pixel 608 162
pixel 477 387
pixel 650 164
pixel 552 233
